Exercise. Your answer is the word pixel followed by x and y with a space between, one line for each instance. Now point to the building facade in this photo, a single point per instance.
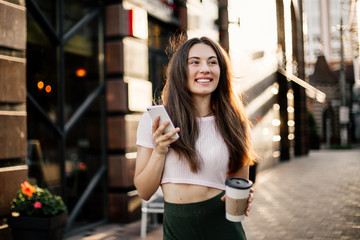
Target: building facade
pixel 77 75
pixel 322 36
pixel 331 56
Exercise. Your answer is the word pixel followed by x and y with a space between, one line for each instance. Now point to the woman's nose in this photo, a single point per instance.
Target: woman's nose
pixel 204 67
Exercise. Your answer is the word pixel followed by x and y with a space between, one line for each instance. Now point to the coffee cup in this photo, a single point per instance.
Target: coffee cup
pixel 237 194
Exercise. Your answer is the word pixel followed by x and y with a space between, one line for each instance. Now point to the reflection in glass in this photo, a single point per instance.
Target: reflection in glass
pixel 83 160
pixel 76 10
pixel 48 9
pixel 43 152
pixel 81 53
pixel 159 34
pixel 42 70
pixel 44 143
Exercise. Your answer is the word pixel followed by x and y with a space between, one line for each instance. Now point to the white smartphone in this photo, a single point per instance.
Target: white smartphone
pixel 159 110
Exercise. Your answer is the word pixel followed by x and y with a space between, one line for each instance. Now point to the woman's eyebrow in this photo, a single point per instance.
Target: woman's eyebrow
pixel 194 57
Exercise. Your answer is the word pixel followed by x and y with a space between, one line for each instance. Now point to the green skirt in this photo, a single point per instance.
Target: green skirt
pixel 202 220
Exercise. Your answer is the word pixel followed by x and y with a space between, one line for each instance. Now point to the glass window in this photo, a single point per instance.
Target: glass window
pixel 159 34
pixel 65 130
pixel 44 152
pixel 81 67
pixel 76 10
pixel 48 8
pixel 42 69
pixel 83 160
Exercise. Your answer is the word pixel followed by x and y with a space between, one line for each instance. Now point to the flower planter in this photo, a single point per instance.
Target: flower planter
pixel 39 228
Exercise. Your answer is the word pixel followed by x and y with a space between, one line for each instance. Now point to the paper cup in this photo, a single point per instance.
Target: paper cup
pixel 237 194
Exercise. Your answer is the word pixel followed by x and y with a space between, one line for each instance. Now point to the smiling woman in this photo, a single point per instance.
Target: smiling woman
pixel 214 144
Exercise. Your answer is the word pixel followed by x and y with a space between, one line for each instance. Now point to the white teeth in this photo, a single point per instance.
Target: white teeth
pixel 203 80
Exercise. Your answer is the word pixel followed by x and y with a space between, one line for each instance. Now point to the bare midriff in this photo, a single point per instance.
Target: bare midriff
pixel 187 193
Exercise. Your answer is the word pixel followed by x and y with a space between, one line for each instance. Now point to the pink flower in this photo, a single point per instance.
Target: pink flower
pixel 37 205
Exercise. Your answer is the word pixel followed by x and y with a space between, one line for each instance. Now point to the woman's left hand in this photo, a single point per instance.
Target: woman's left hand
pixel 249 201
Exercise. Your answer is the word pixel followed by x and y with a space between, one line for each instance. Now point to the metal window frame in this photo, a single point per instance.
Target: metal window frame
pixel 59 39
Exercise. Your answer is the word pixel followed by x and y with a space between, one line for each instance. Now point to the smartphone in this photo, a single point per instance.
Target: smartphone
pixel 159 110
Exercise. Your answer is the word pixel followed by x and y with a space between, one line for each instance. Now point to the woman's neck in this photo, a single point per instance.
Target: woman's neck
pixel 202 106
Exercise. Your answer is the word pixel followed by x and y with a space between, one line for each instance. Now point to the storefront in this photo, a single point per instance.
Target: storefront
pixel 88 80
pixel 84 71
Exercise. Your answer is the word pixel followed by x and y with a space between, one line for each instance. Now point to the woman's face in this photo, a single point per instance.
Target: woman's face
pixel 203 70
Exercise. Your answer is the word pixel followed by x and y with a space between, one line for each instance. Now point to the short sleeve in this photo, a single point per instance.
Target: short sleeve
pixel 144 136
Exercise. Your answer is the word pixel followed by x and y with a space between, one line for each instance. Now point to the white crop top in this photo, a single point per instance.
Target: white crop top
pixel 210 146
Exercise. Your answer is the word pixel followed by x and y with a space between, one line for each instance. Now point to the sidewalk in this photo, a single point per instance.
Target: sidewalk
pixel 312 197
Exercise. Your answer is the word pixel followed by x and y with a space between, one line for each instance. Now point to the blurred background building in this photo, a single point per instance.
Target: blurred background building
pixel 332 51
pixel 75 77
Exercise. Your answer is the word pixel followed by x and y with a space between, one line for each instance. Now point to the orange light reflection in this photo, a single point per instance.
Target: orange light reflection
pixel 48 88
pixel 40 85
pixel 80 72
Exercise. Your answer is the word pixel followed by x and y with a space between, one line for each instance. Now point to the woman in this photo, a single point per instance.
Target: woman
pixel 214 144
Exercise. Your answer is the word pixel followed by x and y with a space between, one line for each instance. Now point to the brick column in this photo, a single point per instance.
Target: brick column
pixel 182 15
pixel 13 132
pixel 224 24
pixel 126 65
pixel 301 118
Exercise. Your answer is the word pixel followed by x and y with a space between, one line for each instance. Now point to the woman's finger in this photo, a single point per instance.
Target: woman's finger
pixel 161 128
pixel 155 124
pixel 248 209
pixel 251 197
pixel 172 133
pixel 158 130
pixel 223 198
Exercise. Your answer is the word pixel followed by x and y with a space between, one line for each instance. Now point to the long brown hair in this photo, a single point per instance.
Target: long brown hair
pixel 229 111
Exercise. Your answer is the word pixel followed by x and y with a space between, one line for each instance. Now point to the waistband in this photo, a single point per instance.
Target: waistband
pixel 203 207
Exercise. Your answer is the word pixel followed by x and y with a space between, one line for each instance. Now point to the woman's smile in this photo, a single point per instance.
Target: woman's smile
pixel 203 80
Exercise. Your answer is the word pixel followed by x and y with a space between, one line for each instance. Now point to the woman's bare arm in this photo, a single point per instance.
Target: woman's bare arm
pixel 148 171
pixel 150 162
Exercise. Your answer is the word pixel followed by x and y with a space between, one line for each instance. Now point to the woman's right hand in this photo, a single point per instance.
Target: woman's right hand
pixel 162 141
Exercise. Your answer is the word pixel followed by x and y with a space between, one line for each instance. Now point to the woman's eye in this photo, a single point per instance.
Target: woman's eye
pixel 194 62
pixel 213 62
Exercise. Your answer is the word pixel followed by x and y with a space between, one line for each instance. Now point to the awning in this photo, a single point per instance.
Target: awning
pixel 311 91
